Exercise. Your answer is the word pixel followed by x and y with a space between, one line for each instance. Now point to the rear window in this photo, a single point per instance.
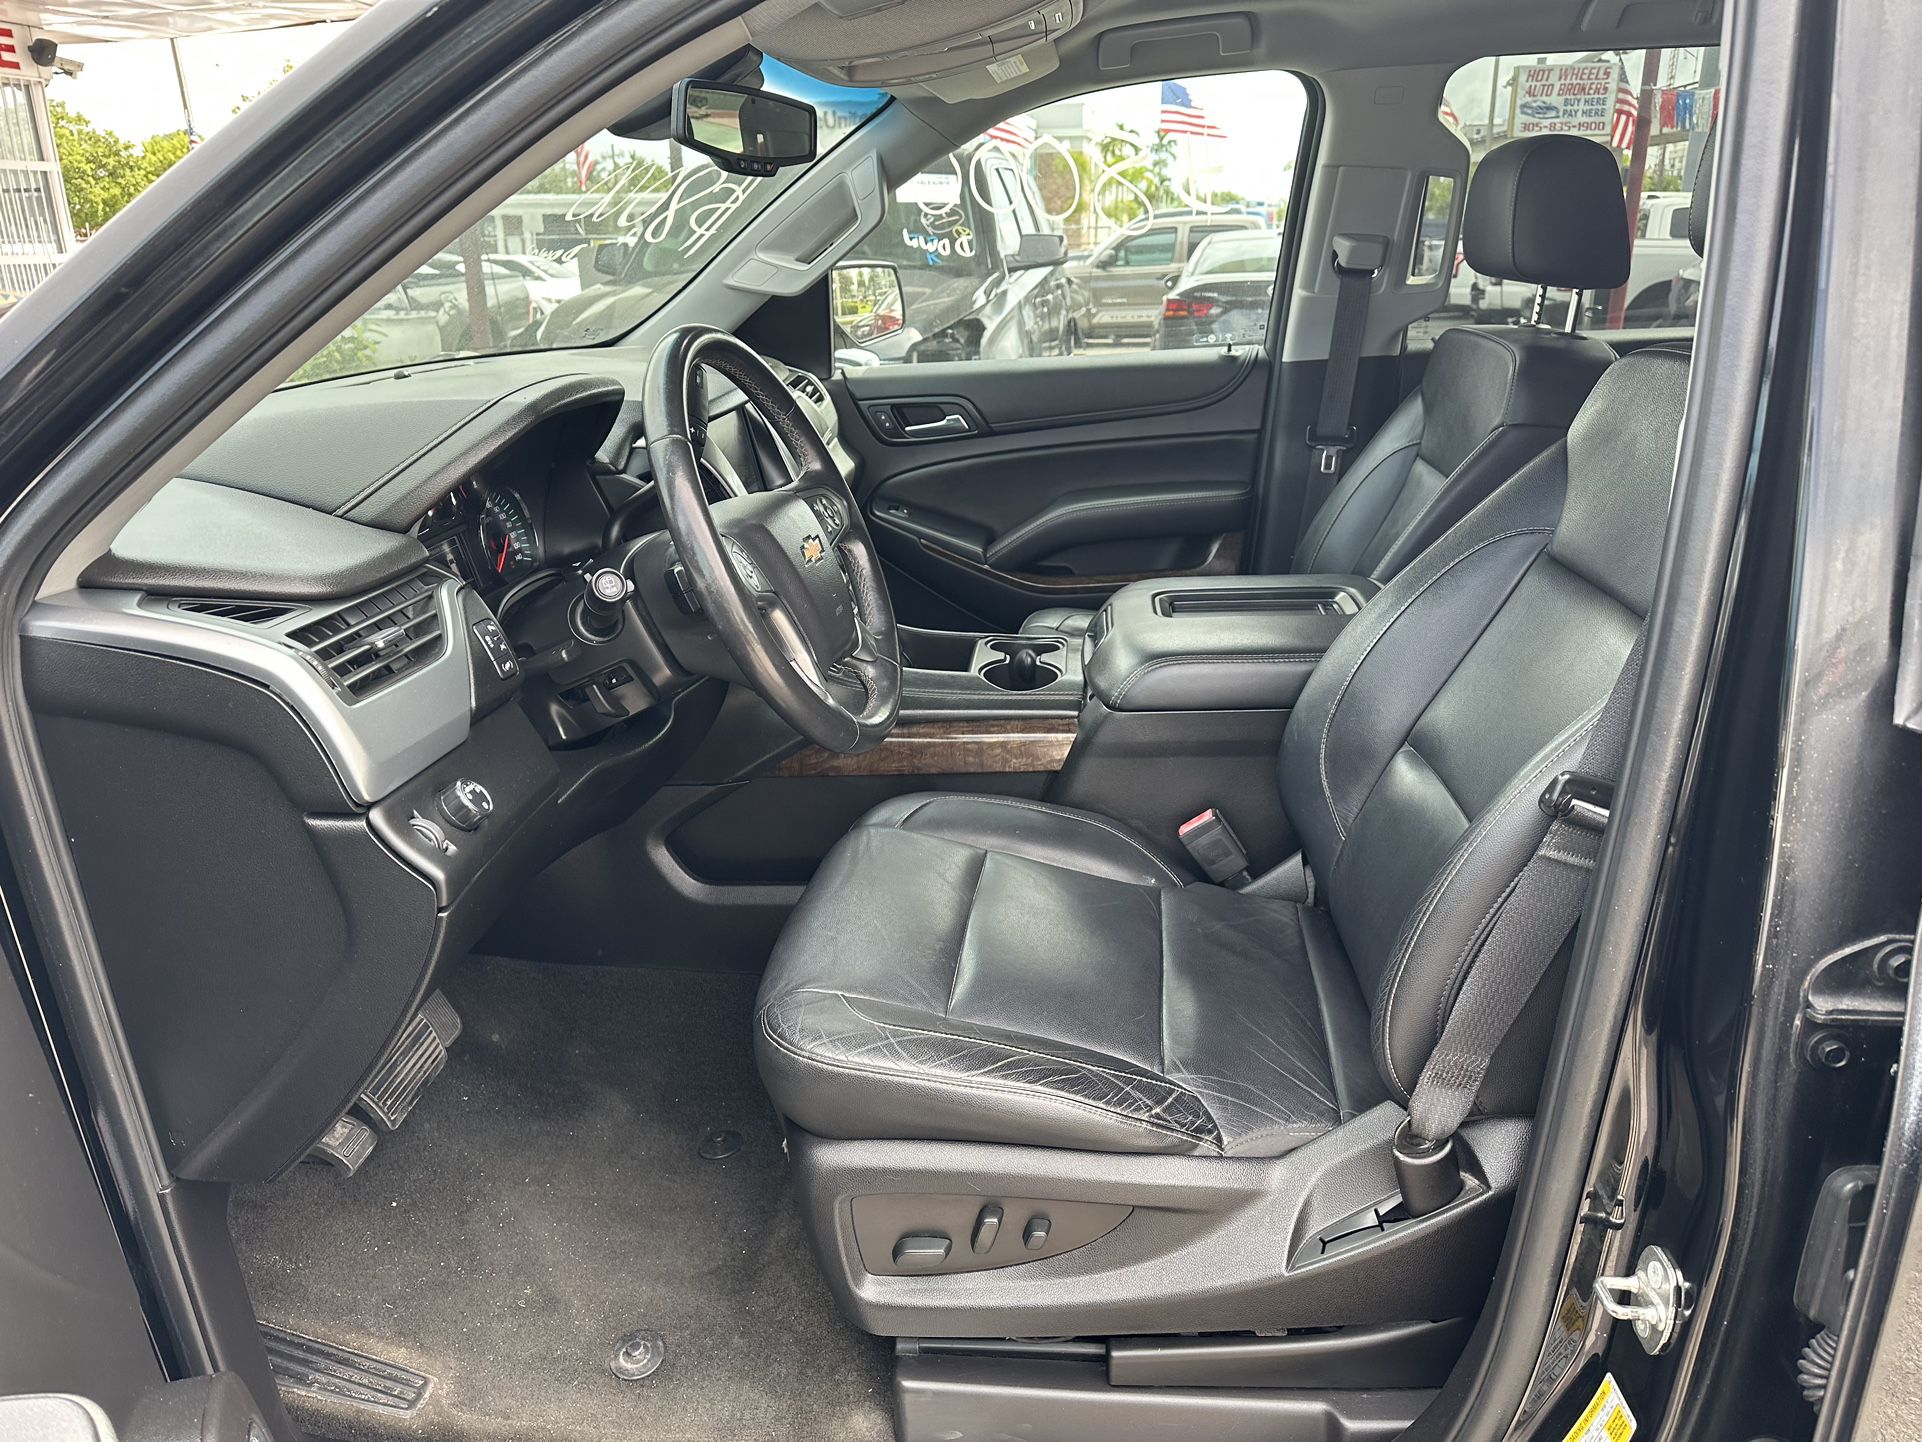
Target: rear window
pixel 1247 254
pixel 1654 109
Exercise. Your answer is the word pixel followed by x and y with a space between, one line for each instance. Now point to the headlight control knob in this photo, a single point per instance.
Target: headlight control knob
pixel 466 803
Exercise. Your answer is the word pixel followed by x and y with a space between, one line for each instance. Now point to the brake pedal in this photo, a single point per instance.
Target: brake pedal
pixel 416 1059
pixel 340 1374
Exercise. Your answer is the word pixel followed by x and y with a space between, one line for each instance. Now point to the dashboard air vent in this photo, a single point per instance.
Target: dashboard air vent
pixel 252 613
pixel 366 645
pixel 804 384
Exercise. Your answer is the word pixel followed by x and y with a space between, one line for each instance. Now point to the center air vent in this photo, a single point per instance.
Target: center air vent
pixel 251 613
pixel 366 645
pixel 804 384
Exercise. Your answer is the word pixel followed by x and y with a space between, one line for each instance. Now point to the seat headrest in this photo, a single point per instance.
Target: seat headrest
pixel 1698 198
pixel 1548 210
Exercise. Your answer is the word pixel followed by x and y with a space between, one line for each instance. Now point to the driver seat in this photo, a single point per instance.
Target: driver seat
pixel 991 969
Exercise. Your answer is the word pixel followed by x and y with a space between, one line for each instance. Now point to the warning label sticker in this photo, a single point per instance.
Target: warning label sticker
pixel 1606 1418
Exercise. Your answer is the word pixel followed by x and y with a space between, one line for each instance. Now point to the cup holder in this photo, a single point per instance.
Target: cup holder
pixel 1022 665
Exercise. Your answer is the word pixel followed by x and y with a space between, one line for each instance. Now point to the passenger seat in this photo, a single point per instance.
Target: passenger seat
pixel 1544 211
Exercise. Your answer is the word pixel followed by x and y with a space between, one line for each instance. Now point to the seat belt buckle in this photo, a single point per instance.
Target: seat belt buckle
pixel 1330 449
pixel 1212 842
pixel 1580 800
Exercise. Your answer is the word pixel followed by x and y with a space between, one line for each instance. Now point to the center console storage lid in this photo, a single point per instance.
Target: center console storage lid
pixel 1217 643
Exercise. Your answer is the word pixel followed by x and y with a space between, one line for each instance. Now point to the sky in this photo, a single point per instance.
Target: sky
pixel 129 86
pixel 1261 113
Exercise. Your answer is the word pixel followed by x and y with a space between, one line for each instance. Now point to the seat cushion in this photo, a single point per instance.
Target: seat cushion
pixel 981 968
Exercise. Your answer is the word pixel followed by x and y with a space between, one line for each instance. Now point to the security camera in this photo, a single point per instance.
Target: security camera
pixel 71 68
pixel 44 52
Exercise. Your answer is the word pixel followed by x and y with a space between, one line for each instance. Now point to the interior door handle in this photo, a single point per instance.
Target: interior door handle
pixel 952 424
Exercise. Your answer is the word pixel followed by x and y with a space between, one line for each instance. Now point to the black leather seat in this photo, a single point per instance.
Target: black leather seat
pixel 1544 211
pixel 996 970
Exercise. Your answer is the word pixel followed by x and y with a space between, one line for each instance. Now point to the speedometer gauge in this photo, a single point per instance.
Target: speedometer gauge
pixel 507 543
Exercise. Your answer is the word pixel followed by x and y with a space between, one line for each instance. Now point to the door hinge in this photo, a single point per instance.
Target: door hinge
pixel 1656 1300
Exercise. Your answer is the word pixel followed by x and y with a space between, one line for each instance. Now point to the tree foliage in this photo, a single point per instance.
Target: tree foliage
pixel 101 171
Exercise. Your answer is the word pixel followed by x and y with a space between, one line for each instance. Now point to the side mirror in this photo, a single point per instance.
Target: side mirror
pixel 1107 260
pixel 1038 251
pixel 611 258
pixel 867 300
pixel 745 131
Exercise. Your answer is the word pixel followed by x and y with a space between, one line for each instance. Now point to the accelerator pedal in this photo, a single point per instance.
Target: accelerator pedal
pixel 340 1374
pixel 416 1059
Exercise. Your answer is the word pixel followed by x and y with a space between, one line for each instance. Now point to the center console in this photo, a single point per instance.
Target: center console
pixel 960 673
pixel 1189 683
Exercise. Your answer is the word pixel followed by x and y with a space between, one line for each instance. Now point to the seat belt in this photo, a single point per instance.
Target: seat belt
pixel 1358 260
pixel 1543 905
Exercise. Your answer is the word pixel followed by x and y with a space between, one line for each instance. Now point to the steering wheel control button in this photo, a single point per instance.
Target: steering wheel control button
pixel 680 585
pixel 466 803
pixel 922 1251
pixel 500 651
pixel 1034 1236
pixel 987 1227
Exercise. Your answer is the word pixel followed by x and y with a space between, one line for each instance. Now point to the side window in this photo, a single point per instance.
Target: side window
pixel 1654 109
pixel 1114 179
pixel 1156 247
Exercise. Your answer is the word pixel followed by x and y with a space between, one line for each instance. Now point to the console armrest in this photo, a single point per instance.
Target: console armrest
pixel 1217 643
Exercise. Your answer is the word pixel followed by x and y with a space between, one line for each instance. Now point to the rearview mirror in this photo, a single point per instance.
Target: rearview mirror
pixel 1038 250
pixel 745 131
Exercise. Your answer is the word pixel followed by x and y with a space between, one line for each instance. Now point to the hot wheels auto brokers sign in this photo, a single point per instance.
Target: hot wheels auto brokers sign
pixel 1564 100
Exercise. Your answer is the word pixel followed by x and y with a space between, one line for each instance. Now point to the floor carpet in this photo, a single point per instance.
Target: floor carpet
pixel 545 1198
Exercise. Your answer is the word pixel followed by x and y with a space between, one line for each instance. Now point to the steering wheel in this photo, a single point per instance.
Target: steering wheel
pixel 789 577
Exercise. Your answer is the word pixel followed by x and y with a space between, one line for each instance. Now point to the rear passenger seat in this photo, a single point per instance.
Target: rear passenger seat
pixel 1543 211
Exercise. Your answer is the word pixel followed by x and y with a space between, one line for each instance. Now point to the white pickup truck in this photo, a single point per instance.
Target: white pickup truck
pixel 1660 254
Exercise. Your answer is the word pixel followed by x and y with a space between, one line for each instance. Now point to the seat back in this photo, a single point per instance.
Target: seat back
pixel 1542 211
pixel 1413 764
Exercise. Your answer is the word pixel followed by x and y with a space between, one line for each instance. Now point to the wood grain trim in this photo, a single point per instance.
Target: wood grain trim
pixel 1223 559
pixel 949 748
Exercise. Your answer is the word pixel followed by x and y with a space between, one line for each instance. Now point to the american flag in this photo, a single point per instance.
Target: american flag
pixel 1623 134
pixel 1017 132
pixel 583 165
pixel 1450 118
pixel 1181 116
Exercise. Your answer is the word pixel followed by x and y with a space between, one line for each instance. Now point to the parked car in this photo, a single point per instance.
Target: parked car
pixel 1224 294
pixel 981 270
pixel 439 289
pixel 1119 292
pixel 549 282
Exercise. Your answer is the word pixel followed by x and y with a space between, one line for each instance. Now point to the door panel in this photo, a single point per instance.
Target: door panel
pixel 1076 475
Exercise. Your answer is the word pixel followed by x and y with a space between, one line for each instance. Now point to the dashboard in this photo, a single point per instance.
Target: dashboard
pixel 348 618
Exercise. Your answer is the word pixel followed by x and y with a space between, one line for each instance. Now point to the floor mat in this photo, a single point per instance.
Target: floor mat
pixel 547 1197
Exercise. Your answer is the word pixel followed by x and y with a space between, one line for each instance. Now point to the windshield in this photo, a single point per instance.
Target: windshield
pixel 586 251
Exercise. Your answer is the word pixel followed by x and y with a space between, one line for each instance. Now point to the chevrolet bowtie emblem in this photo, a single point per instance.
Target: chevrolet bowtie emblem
pixel 811 549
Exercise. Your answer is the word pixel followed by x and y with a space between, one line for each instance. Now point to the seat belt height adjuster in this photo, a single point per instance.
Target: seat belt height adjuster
pixel 1579 799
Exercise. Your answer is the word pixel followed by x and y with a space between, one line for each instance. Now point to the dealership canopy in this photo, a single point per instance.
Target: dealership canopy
pixel 93 20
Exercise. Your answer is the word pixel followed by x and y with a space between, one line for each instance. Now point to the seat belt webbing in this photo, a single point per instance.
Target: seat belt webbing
pixel 1358 259
pixel 1542 908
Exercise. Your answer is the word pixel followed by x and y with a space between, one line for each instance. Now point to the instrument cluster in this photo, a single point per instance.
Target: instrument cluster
pixel 483 533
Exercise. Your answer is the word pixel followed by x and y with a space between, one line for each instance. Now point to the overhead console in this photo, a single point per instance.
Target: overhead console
pixel 994 44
